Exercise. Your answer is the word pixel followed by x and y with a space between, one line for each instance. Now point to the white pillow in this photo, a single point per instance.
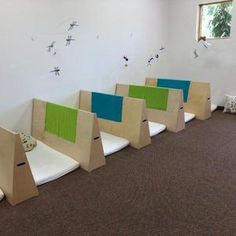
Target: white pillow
pixel 28 142
pixel 230 104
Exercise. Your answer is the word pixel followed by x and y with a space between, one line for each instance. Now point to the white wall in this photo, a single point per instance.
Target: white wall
pixel 216 64
pixel 109 29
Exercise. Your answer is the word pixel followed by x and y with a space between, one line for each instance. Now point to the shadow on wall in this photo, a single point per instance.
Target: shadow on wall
pixel 18 118
pixel 72 100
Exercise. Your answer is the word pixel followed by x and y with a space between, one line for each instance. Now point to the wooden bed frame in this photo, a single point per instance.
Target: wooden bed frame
pixel 199 98
pixel 173 117
pixel 87 149
pixel 134 125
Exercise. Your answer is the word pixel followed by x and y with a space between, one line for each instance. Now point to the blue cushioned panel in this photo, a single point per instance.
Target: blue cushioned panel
pixel 107 106
pixel 175 84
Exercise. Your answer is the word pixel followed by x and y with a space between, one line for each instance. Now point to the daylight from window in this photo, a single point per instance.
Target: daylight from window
pixel 216 20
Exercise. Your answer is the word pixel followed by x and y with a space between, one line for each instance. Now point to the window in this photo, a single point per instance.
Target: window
pixel 215 20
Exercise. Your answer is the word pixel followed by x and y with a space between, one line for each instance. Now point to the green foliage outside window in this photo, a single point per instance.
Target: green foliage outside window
pixel 216 20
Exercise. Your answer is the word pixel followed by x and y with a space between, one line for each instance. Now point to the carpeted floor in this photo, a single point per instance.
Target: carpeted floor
pixel 182 184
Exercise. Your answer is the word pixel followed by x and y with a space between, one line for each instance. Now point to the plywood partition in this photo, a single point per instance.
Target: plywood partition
pixel 198 101
pixel 134 125
pixel 16 179
pixel 172 117
pixel 87 148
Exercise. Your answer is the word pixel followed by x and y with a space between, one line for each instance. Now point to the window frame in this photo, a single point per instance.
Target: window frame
pixel 200 9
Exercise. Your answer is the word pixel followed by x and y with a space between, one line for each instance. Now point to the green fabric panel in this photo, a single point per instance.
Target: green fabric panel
pixel 156 98
pixel 61 121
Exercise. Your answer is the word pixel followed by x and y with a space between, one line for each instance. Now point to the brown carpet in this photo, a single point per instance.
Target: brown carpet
pixel 182 184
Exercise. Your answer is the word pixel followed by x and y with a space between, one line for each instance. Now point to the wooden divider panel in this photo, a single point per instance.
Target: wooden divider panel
pixel 133 125
pixel 198 100
pixel 151 82
pixel 87 148
pixel 16 179
pixel 172 117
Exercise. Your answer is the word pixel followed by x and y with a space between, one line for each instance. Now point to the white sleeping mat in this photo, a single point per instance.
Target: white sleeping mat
pixel 213 107
pixel 188 116
pixel 48 164
pixel 155 128
pixel 1 195
pixel 112 143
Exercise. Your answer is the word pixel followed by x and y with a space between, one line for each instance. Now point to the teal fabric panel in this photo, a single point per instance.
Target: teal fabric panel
pixel 175 84
pixel 107 106
pixel 156 98
pixel 61 121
